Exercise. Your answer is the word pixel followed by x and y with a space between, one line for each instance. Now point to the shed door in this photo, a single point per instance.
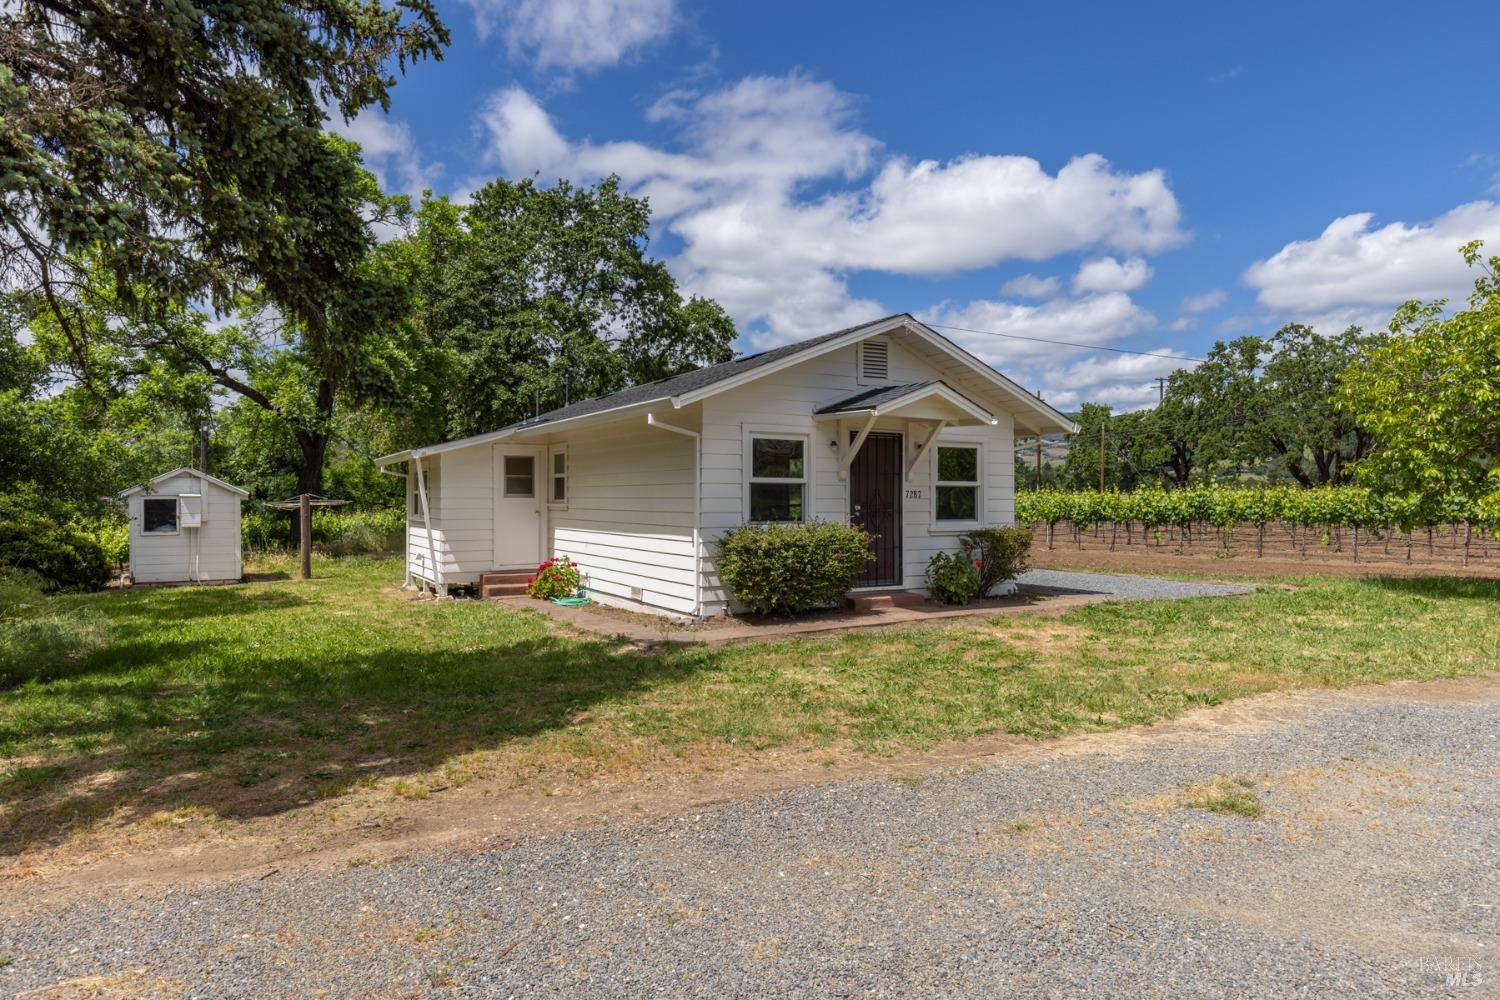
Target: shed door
pixel 518 506
pixel 875 504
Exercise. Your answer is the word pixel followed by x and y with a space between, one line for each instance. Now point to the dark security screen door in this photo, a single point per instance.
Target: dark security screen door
pixel 875 504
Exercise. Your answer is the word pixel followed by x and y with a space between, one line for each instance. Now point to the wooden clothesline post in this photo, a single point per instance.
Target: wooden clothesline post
pixel 305 533
pixel 303 504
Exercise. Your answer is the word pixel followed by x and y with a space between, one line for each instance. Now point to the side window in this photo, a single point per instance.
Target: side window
pixel 557 491
pixel 957 483
pixel 159 516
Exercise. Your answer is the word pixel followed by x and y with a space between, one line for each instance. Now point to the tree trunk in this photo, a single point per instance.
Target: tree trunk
pixel 313 448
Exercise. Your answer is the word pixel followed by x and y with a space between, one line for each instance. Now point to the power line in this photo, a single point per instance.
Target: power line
pixel 1066 343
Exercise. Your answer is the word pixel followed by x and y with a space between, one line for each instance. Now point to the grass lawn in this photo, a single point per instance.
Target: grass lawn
pixel 258 699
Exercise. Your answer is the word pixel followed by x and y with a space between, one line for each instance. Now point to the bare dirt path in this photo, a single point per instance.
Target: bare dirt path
pixel 1332 843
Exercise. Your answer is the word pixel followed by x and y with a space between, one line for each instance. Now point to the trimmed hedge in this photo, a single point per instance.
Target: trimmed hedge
pixel 791 568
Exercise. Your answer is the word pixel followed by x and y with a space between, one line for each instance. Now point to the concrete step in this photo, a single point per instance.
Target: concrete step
pixel 885 599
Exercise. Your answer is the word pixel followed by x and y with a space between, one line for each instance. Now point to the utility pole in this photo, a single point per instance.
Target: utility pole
pixel 1038 461
pixel 1101 458
pixel 1161 388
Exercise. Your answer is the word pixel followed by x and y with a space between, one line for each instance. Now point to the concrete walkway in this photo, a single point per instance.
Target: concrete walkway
pixel 1042 591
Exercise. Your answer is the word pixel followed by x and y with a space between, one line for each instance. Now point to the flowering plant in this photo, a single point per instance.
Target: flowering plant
pixel 557 577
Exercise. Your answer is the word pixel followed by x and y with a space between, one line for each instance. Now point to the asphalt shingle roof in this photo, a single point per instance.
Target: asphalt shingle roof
pixel 867 399
pixel 676 385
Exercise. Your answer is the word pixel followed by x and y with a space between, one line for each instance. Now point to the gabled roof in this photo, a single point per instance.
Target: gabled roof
pixel 690 387
pixel 180 470
pixel 891 398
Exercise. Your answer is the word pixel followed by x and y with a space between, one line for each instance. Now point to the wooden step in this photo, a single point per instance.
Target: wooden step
pixel 885 599
pixel 506 576
pixel 490 590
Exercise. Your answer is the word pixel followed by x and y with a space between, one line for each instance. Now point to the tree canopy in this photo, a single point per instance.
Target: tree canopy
pixel 1429 395
pixel 180 148
pixel 540 294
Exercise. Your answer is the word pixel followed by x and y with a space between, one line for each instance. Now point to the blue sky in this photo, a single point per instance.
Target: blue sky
pixel 1146 176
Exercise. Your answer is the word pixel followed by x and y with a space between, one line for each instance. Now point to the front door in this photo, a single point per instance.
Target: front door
pixel 518 506
pixel 875 505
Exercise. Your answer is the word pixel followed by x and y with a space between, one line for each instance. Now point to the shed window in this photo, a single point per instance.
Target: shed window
pixel 159 516
pixel 520 476
pixel 778 478
pixel 557 494
pixel 958 483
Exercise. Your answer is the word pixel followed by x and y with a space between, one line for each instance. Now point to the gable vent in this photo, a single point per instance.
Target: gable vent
pixel 874 361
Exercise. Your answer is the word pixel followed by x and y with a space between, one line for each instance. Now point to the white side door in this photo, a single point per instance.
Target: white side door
pixel 518 506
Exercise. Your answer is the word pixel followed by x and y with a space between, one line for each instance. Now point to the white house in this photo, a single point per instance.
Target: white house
pixel 888 424
pixel 184 527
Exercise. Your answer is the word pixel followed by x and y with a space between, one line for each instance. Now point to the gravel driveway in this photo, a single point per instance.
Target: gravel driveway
pixel 1070 872
pixel 1139 588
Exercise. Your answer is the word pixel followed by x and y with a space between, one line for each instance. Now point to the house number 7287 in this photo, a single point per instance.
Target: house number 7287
pixel 913 494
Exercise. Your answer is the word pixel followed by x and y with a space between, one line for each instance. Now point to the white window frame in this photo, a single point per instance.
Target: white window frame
pixel 977 484
pixel 778 434
pixel 176 522
pixel 553 475
pixel 536 474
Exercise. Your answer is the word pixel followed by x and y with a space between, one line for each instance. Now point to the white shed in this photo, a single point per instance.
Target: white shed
pixel 184 528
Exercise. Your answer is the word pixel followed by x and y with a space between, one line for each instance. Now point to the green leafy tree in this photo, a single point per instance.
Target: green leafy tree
pixel 1429 394
pixel 1298 420
pixel 180 148
pixel 178 360
pixel 539 295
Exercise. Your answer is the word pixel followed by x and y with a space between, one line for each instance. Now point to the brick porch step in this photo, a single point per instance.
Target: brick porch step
pixel 885 599
pixel 505 583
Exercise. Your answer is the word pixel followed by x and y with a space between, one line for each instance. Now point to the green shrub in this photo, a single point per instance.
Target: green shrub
pixel 952 578
pixel 62 556
pixel 336 531
pixel 113 538
pixel 340 531
pixel 999 554
pixel 40 635
pixel 792 568
pixel 557 577
pixel 262 529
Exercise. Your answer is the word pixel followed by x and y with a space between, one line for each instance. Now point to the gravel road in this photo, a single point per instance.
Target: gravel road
pixel 1139 588
pixel 1071 872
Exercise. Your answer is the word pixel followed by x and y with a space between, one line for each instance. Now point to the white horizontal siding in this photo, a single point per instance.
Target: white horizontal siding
pixel 628 522
pixel 210 552
pixel 787 400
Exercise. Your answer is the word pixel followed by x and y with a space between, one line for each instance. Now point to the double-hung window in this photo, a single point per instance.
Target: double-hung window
pixel 957 482
pixel 778 478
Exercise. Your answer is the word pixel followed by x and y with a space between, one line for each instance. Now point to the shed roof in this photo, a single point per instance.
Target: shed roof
pixel 181 470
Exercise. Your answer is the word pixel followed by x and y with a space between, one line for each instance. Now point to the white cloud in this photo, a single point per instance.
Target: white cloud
pixel 575 34
pixel 1195 305
pixel 1106 274
pixel 1352 270
pixel 390 152
pixel 777 197
pixel 1031 286
pixel 1207 302
pixel 1067 376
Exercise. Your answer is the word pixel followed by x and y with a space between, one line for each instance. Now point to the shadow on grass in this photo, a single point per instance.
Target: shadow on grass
pixel 1471 588
pixel 146 730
